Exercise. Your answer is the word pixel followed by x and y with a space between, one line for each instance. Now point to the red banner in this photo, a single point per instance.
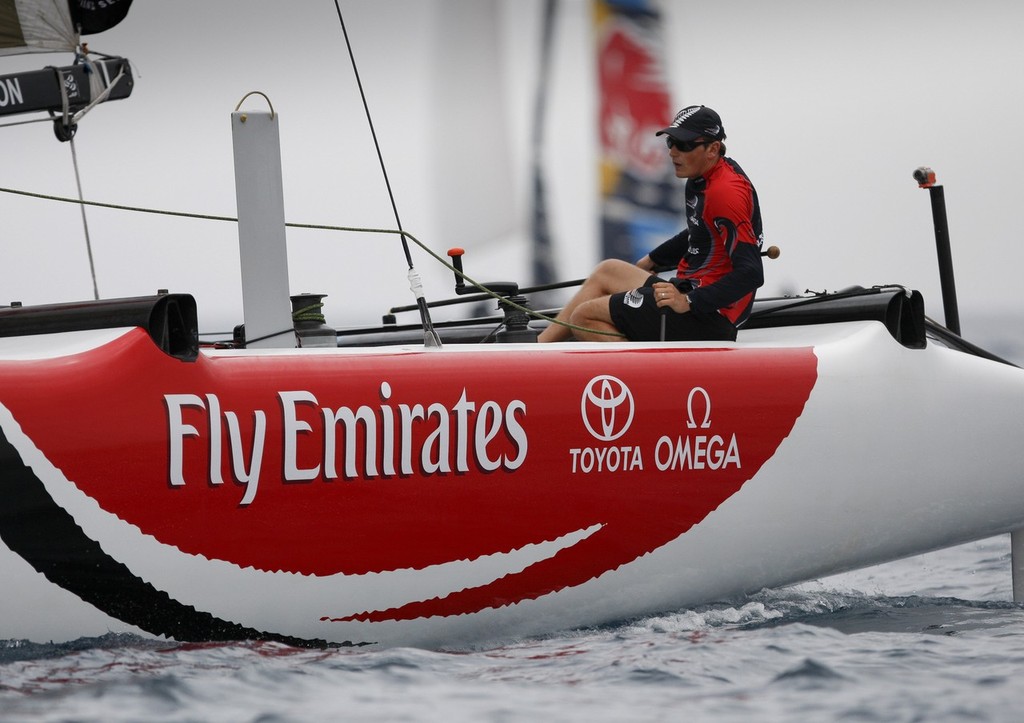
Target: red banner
pixel 641 200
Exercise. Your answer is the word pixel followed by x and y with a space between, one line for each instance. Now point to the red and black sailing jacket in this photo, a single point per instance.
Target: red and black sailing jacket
pixel 718 255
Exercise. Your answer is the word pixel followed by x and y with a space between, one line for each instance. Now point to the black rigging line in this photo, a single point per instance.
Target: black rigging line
pixel 430 336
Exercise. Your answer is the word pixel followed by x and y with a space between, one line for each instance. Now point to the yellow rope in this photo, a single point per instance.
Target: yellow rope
pixel 316 227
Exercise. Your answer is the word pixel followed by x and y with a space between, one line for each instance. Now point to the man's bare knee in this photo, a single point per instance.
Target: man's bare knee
pixel 579 316
pixel 613 269
pixel 594 321
pixel 612 276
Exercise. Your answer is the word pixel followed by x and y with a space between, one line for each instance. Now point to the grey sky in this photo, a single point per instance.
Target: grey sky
pixel 829 107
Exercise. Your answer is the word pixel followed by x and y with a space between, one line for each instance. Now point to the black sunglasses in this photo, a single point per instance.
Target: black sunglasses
pixel 684 146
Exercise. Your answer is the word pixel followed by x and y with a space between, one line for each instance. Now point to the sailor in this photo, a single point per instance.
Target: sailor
pixel 717 257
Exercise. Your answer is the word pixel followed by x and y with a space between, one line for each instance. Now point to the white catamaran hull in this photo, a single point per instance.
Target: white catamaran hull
pixel 481 492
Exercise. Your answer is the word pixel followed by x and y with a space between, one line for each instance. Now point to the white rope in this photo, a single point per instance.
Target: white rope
pixel 63 97
pixel 85 223
pixel 95 83
pixel 99 91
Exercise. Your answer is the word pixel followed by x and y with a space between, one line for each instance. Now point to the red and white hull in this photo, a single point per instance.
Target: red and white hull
pixel 402 496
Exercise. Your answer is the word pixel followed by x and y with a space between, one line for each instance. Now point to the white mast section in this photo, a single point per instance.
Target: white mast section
pixel 266 307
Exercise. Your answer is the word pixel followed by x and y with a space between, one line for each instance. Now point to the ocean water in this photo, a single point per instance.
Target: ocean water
pixel 928 638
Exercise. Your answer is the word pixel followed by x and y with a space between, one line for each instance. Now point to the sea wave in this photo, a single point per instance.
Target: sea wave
pixel 934 637
pixel 930 638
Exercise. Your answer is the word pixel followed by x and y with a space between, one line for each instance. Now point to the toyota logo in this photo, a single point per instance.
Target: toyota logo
pixel 607 407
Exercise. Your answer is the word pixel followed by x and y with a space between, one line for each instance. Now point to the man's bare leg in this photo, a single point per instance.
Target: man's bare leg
pixel 610 277
pixel 595 316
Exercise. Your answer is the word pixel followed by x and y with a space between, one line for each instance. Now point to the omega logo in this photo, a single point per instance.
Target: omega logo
pixel 691 417
pixel 607 407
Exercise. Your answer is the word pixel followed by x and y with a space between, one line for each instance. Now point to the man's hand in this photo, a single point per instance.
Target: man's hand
pixel 666 294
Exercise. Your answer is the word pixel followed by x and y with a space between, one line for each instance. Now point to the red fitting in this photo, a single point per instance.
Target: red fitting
pixel 925 177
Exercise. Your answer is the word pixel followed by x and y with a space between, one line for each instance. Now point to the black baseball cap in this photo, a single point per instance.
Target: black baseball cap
pixel 695 121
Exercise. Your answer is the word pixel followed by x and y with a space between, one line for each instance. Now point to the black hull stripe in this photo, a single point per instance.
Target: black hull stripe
pixel 35 527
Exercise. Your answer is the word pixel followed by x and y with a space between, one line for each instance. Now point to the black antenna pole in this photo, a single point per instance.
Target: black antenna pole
pixel 543 253
pixel 430 337
pixel 925 177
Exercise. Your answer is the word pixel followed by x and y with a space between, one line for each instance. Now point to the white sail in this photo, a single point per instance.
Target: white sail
pixel 36 26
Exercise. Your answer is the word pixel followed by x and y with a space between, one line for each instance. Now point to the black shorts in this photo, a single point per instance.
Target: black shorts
pixel 636 315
